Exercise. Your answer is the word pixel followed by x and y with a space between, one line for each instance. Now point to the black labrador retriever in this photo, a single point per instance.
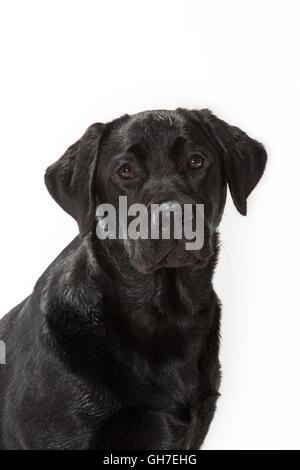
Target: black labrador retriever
pixel 117 346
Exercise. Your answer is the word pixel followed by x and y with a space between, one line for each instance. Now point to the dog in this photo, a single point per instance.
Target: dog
pixel 117 346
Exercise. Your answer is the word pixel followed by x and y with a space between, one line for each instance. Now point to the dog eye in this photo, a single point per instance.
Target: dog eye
pixel 196 162
pixel 126 171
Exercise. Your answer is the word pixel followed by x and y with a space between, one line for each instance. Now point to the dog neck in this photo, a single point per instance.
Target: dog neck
pixel 89 296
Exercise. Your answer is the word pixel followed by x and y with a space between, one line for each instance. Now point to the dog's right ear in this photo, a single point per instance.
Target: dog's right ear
pixel 70 180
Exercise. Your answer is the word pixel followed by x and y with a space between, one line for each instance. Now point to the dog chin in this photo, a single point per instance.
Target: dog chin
pixel 172 263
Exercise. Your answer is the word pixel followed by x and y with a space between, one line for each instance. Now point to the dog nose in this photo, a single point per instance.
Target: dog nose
pixel 169 207
pixel 161 217
pixel 164 208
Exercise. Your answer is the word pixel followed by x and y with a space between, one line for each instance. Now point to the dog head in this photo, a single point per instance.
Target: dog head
pixel 164 158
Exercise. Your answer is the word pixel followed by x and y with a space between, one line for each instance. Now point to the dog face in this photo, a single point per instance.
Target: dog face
pixel 158 157
pixel 162 157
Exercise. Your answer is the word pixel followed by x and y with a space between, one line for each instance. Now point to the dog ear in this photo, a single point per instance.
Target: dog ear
pixel 70 180
pixel 244 158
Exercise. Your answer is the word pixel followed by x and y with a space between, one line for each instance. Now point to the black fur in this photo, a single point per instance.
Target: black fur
pixel 117 347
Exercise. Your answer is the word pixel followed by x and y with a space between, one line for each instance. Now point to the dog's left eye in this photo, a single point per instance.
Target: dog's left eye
pixel 196 162
pixel 126 171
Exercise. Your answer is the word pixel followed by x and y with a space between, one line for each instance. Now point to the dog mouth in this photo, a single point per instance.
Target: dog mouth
pixel 173 258
pixel 148 268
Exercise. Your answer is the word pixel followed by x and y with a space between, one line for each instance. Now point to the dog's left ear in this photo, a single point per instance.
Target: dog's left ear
pixel 244 158
pixel 70 180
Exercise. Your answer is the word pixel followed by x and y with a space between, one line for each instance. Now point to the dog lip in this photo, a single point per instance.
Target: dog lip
pixel 153 267
pixel 166 255
pixel 200 262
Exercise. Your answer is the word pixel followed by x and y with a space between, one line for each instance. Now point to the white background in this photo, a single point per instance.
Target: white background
pixel 66 64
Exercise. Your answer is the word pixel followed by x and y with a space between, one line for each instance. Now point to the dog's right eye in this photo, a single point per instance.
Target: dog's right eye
pixel 196 162
pixel 126 171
